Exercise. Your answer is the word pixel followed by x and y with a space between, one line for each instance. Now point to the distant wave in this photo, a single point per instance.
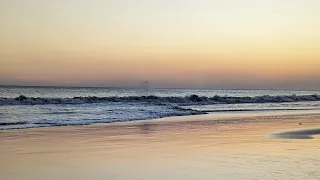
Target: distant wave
pixel 62 112
pixel 188 100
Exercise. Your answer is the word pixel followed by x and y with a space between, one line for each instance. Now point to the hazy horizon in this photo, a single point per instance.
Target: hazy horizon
pixel 151 87
pixel 252 44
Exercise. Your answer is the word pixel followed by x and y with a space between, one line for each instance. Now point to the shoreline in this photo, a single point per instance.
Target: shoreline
pixel 183 119
pixel 194 120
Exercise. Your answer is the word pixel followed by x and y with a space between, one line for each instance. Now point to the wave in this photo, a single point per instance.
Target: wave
pixel 95 121
pixel 62 112
pixel 188 100
pixel 13 123
pixel 64 121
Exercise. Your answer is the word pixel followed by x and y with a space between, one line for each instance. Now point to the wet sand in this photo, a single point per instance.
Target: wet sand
pixel 298 134
pixel 217 146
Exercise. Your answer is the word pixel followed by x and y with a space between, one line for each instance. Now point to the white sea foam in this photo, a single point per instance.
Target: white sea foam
pixel 25 116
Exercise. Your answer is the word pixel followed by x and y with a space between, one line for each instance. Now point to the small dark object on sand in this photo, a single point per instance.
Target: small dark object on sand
pixel 300 123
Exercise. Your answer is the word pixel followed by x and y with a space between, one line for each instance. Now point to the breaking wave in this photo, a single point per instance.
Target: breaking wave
pixel 188 100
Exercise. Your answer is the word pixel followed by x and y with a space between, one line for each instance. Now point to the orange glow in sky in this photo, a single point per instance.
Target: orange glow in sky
pixel 201 44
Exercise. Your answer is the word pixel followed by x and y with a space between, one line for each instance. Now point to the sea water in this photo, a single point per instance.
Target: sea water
pixel 27 107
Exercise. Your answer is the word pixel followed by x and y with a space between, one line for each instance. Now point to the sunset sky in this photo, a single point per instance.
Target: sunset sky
pixel 171 43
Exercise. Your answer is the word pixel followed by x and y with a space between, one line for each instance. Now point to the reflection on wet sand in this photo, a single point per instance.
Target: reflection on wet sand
pixel 199 147
pixel 146 128
pixel 297 134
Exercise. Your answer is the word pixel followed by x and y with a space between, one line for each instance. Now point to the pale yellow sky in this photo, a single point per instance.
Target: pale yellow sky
pixel 170 43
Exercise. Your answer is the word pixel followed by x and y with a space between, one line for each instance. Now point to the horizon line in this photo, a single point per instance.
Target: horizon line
pixel 115 87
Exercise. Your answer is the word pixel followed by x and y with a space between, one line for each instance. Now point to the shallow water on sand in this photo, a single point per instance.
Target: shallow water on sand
pixel 201 147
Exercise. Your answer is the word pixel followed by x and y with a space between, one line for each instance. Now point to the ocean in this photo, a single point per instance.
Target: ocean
pixel 29 107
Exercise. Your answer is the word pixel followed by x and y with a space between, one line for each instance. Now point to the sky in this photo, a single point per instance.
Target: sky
pixel 231 44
